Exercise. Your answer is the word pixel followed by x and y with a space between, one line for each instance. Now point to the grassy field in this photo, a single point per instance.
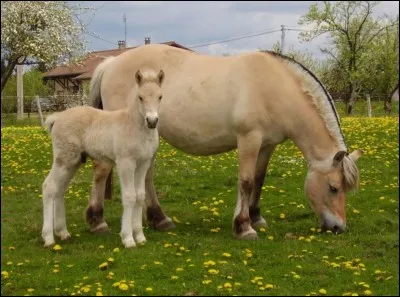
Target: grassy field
pixel 201 256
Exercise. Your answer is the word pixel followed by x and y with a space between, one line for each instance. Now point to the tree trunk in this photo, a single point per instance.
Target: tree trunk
pixel 369 105
pixel 351 100
pixel 7 72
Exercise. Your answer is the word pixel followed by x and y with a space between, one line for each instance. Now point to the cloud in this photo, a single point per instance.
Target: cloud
pixel 200 22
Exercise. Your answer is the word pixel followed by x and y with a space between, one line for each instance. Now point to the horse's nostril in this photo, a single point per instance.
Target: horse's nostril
pixel 335 229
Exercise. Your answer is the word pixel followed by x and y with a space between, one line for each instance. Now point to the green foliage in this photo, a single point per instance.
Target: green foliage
pixel 364 52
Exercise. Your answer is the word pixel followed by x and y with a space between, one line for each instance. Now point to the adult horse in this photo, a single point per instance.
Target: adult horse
pixel 251 102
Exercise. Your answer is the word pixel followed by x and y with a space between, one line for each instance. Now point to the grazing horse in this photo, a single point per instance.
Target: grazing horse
pixel 127 137
pixel 251 102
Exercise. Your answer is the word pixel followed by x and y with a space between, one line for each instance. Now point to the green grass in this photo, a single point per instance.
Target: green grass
pixel 186 185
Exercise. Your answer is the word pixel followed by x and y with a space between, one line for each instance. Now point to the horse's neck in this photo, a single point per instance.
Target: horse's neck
pixel 312 138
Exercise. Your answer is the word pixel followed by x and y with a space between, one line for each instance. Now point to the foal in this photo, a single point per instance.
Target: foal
pixel 127 138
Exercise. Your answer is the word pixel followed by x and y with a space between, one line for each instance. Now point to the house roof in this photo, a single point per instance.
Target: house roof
pixel 85 71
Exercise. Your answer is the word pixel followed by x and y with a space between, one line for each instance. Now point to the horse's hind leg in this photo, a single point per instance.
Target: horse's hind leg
pixel 248 150
pixel 155 215
pixel 264 156
pixel 94 212
pixel 54 188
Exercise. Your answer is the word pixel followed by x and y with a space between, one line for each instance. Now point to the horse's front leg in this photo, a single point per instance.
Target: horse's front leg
pixel 248 149
pixel 94 212
pixel 126 170
pixel 155 215
pixel 137 225
pixel 264 156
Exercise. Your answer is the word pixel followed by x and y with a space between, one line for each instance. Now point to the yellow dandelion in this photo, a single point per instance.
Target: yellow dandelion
pixel 322 291
pixel 207 281
pixel 30 290
pixel 116 250
pixel 226 255
pixel 149 289
pixel 174 277
pixel 103 266
pixel 269 286
pixel 57 247
pixel 282 216
pixel 4 274
pixel 175 219
pixel 110 260
pixel 227 285
pixel 368 293
pixel 98 293
pixel 213 271
pixel 123 287
pixel 270 237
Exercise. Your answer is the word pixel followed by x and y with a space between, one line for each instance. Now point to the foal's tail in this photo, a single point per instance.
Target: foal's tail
pixel 95 95
pixel 50 120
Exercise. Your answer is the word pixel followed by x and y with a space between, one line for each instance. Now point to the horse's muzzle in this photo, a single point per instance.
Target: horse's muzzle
pixel 151 122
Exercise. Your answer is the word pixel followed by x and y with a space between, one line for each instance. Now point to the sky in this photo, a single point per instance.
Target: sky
pixel 197 22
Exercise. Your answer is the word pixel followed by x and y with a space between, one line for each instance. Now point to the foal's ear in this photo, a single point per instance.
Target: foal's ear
pixel 355 155
pixel 138 77
pixel 338 158
pixel 161 76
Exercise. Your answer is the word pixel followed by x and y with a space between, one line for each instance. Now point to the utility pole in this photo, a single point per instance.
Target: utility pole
pixel 20 89
pixel 282 38
pixel 125 27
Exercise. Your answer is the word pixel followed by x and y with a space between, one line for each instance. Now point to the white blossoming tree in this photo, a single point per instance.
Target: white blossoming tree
pixel 49 32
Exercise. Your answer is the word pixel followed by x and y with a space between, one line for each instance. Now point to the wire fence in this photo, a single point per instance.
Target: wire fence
pixel 49 104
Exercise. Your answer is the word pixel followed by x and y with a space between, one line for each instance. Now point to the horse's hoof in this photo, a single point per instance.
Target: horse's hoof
pixel 100 228
pixel 165 225
pixel 140 240
pixel 261 223
pixel 247 235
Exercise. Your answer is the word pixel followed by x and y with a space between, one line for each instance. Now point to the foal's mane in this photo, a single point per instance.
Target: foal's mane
pixel 321 99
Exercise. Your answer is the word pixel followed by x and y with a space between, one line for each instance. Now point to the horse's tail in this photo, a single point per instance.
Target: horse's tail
pixel 95 83
pixel 95 95
pixel 50 120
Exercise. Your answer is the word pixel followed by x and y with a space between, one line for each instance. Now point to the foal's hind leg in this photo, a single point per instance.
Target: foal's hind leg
pixel 94 212
pixel 264 156
pixel 155 215
pixel 54 188
pixel 248 149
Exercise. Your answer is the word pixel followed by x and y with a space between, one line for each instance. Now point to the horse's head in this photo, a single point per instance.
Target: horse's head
pixel 326 188
pixel 149 95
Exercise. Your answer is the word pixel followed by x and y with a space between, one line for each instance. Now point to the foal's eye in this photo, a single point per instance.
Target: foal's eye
pixel 159 98
pixel 140 98
pixel 333 189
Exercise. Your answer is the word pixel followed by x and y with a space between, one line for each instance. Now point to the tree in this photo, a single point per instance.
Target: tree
pixel 48 32
pixel 352 29
pixel 305 58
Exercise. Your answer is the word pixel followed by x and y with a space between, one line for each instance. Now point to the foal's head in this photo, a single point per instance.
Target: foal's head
pixel 149 95
pixel 326 187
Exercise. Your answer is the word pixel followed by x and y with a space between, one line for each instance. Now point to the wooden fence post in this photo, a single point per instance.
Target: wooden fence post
pixel 369 105
pixel 39 108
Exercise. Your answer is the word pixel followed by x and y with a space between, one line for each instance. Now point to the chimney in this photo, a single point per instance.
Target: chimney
pixel 121 44
pixel 147 40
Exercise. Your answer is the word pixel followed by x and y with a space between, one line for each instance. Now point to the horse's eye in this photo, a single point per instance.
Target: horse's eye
pixel 333 189
pixel 140 98
pixel 159 98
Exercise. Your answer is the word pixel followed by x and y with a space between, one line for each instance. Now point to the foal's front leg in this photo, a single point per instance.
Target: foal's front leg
pixel 137 224
pixel 126 170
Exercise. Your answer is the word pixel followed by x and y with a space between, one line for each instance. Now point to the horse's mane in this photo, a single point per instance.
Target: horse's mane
pixel 324 104
pixel 320 97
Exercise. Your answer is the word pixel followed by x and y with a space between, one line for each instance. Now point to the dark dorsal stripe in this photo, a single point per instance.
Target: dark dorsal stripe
pixel 327 95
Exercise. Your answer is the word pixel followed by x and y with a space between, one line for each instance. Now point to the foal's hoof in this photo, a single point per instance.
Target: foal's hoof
pixel 165 225
pixel 64 236
pixel 49 243
pixel 100 228
pixel 129 243
pixel 247 235
pixel 261 223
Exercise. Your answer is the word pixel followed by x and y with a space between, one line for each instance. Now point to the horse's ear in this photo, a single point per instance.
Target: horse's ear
pixel 138 77
pixel 161 76
pixel 355 155
pixel 338 158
